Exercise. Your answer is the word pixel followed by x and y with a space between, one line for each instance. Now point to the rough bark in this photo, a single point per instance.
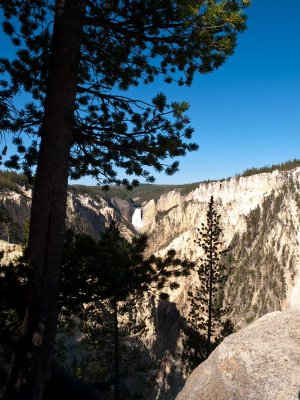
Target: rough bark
pixel 116 352
pixel 33 357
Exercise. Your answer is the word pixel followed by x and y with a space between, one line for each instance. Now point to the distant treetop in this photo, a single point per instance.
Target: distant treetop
pixel 143 192
pixel 286 166
pixel 12 180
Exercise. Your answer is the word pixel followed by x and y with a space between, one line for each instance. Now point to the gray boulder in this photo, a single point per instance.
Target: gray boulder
pixel 259 362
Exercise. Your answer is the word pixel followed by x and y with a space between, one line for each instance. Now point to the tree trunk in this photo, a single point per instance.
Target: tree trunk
pixel 116 345
pixel 209 322
pixel 32 364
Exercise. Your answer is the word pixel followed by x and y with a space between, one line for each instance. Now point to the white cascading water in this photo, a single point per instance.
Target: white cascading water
pixel 295 295
pixel 137 218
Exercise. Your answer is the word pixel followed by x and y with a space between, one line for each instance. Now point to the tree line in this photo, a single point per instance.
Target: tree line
pixel 73 62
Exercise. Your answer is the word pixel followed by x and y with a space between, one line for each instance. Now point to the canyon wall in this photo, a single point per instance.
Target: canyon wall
pixel 261 226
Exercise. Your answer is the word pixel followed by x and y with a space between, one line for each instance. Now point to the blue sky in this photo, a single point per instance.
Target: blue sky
pixel 247 113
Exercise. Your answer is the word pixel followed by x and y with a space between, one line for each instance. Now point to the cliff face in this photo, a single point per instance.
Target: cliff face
pixel 14 212
pixel 261 361
pixel 84 214
pixel 92 215
pixel 261 225
pixel 260 221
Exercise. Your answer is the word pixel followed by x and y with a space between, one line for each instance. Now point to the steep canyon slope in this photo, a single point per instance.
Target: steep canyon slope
pixel 261 225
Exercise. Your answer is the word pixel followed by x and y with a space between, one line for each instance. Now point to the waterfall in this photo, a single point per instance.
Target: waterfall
pixel 295 295
pixel 137 218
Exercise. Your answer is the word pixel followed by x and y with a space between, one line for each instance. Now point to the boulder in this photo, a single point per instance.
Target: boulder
pixel 259 362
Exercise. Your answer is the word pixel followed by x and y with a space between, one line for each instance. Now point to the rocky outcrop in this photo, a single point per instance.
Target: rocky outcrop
pixel 85 214
pixel 9 253
pixel 92 215
pixel 14 212
pixel 125 208
pixel 260 221
pixel 259 362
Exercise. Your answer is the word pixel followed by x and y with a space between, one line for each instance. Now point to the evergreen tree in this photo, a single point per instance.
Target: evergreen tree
pixel 116 271
pixel 73 60
pixel 206 326
pixel 101 281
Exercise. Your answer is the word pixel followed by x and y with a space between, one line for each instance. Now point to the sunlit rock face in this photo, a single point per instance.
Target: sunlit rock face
pixel 86 214
pixel 261 361
pixel 261 224
pixel 260 221
pixel 235 198
pixel 14 211
pixel 93 215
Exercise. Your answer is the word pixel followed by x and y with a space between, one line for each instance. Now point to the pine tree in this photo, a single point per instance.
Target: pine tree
pixel 101 281
pixel 73 60
pixel 115 271
pixel 206 326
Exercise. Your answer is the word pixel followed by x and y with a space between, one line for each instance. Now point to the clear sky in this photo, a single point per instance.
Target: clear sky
pixel 247 113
